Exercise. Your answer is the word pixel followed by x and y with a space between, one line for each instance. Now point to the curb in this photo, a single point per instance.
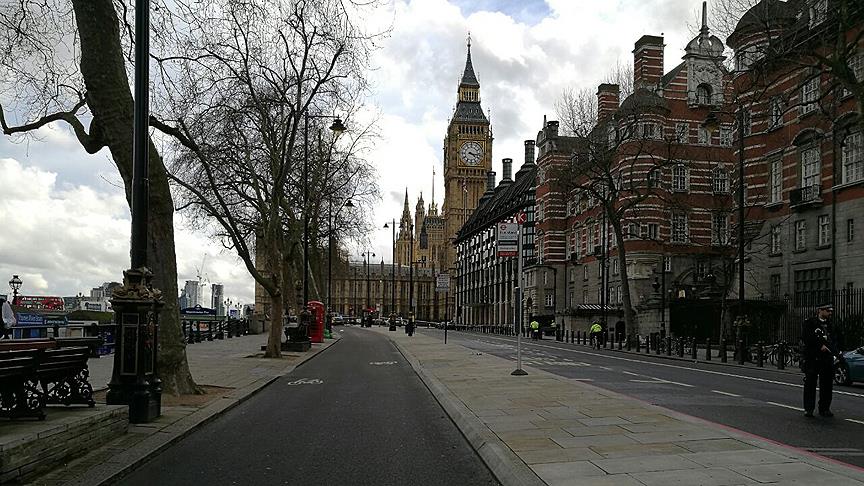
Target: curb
pixel 127 461
pixel 504 464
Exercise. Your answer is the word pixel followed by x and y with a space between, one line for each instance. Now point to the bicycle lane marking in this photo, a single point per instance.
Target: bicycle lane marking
pixel 665 365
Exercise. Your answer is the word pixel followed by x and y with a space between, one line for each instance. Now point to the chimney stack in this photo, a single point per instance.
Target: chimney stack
pixel 490 181
pixel 552 129
pixel 507 169
pixel 648 61
pixel 529 152
pixel 608 100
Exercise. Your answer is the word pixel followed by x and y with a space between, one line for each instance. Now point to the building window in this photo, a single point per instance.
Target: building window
pixel 775 180
pixel 584 296
pixel 800 235
pixel 703 94
pixel 775 286
pixel 704 136
pixel 585 272
pixel 809 95
pixel 776 112
pixel 679 178
pixel 719 229
pixel 824 230
pixel 853 158
pixel 810 166
pixel 725 136
pixel 545 277
pixel 620 294
pixel 615 264
pixel 667 263
pixel 776 239
pixel 653 231
pixel 682 132
pixel 720 180
pixel 649 130
pixel 632 231
pixel 679 228
pixel 812 279
pixel 818 12
pixel 654 177
pixel 613 294
pixel 549 300
pixel 850 230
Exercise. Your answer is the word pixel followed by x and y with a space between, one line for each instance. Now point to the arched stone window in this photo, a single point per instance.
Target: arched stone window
pixel 703 94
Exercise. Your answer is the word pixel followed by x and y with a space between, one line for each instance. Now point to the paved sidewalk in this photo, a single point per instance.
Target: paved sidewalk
pixel 547 429
pixel 235 365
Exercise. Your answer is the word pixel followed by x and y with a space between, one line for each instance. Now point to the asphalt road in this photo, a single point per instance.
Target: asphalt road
pixel 356 414
pixel 762 402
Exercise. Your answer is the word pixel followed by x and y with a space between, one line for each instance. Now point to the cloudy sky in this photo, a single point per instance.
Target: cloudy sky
pixel 64 224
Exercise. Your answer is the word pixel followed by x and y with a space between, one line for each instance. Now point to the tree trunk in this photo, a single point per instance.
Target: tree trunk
pixel 277 304
pixel 629 324
pixel 110 101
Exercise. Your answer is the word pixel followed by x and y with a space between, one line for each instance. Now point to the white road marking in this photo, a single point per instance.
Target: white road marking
pixel 382 363
pixel 629 373
pixel 647 381
pixel 306 381
pixel 710 372
pixel 785 406
pixel 605 368
pixel 726 393
pixel 856 421
pixel 581 379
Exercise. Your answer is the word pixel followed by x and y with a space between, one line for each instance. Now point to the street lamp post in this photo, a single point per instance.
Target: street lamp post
pixel 15 285
pixel 367 255
pixel 337 127
pixel 392 225
pixel 348 204
pixel 135 381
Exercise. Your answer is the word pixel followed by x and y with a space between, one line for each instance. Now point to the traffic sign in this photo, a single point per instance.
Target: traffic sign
pixel 442 282
pixel 508 239
pixel 521 217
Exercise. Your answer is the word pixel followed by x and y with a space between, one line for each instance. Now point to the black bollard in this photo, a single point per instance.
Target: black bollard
pixel 668 345
pixel 629 340
pixel 741 351
pixel 620 343
pixel 760 355
pixel 638 344
pixel 708 349
pixel 781 355
pixel 694 350
pixel 681 347
pixel 723 351
pixel 657 343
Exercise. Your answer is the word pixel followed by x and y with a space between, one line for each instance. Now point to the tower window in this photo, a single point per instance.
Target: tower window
pixel 703 94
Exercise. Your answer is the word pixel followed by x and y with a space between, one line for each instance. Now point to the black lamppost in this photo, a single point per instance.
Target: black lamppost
pixel 367 260
pixel 15 285
pixel 337 127
pixel 348 204
pixel 134 380
pixel 392 273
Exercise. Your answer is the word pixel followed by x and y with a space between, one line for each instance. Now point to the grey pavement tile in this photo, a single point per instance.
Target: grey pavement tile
pixel 566 473
pixel 559 455
pixel 511 426
pixel 611 480
pixel 794 471
pixel 584 430
pixel 693 477
pixel 561 413
pixel 531 444
pixel 603 421
pixel 595 440
pixel 532 434
pixel 711 445
pixel 659 427
pixel 678 435
pixel 737 458
pixel 637 450
pixel 645 464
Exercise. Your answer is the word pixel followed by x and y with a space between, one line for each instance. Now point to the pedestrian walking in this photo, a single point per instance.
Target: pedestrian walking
pixel 535 329
pixel 819 350
pixel 7 320
pixel 595 331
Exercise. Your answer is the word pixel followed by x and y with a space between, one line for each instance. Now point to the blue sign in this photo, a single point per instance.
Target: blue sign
pixel 29 319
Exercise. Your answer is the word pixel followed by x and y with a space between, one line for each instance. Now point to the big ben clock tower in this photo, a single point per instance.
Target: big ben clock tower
pixel 467 157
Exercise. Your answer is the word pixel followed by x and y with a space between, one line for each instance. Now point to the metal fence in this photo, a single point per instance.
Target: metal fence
pixel 772 320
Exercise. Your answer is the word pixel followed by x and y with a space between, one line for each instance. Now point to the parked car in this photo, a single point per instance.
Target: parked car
pixel 851 369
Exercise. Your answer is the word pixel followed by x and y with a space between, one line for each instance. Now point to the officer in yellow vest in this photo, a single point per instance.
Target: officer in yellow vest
pixel 596 330
pixel 535 329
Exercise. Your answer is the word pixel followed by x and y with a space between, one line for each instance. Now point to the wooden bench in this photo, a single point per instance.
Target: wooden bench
pixel 19 393
pixel 63 376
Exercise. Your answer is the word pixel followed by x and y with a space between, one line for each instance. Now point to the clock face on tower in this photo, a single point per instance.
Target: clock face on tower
pixel 471 153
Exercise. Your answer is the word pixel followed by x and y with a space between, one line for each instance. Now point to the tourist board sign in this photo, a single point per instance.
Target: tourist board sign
pixel 508 239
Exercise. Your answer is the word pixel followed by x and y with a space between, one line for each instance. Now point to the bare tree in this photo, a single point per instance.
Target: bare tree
pixel 236 106
pixel 64 61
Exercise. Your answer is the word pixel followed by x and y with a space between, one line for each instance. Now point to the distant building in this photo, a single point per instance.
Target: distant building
pixel 388 291
pixel 217 298
pixel 191 290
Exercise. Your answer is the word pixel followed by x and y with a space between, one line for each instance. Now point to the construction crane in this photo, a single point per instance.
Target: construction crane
pixel 202 277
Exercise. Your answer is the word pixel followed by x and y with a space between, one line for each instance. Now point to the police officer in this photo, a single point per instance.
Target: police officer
pixel 535 329
pixel 820 348
pixel 596 331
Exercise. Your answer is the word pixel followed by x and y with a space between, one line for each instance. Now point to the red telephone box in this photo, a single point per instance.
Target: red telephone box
pixel 316 327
